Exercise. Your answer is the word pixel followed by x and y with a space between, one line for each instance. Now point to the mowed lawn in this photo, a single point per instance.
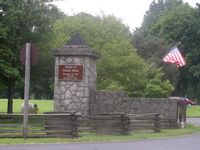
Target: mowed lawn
pixel 43 105
pixel 193 111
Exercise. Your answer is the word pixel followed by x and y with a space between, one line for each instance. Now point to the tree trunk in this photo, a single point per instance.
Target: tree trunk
pixel 10 99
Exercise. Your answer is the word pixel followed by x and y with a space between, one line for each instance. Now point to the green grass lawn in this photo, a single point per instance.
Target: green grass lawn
pixel 193 111
pixel 43 105
pixel 105 138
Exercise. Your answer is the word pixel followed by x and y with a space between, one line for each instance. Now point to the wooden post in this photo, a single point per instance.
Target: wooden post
pixel 157 123
pixel 26 89
pixel 74 125
pixel 183 121
pixel 125 123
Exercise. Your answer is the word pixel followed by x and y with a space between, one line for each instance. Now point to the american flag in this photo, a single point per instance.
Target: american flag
pixel 174 57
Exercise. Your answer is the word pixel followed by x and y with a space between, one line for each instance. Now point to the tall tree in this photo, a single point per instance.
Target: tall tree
pixel 151 43
pixel 182 24
pixel 120 67
pixel 152 47
pixel 21 21
pixel 157 10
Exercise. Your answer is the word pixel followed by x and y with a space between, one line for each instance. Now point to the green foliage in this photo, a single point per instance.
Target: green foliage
pixel 152 47
pixel 167 22
pixel 21 21
pixel 176 24
pixel 157 88
pixel 120 67
pixel 182 24
pixel 157 10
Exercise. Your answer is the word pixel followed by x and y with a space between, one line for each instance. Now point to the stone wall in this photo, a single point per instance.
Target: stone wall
pixel 74 96
pixel 80 96
pixel 115 101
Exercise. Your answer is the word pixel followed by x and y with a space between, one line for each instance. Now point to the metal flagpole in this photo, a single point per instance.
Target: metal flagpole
pixel 172 49
pixel 155 65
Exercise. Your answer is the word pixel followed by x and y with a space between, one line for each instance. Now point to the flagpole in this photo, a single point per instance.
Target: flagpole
pixel 155 65
pixel 171 49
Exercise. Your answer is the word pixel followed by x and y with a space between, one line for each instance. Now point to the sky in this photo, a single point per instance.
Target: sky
pixel 131 12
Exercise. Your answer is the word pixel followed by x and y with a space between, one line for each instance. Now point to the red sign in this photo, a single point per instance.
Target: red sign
pixel 34 54
pixel 70 72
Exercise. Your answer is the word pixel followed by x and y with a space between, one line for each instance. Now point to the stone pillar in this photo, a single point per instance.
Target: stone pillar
pixel 75 77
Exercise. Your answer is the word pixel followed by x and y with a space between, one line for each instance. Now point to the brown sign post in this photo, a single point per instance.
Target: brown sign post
pixel 28 56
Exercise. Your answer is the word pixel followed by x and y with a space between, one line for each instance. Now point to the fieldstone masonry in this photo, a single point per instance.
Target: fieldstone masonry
pixel 118 101
pixel 75 89
pixel 70 93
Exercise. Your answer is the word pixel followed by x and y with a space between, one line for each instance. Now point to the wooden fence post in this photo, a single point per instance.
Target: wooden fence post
pixel 125 124
pixel 157 123
pixel 74 125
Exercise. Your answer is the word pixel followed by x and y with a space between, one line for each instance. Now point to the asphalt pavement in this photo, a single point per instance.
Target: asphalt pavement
pixel 189 142
pixel 194 121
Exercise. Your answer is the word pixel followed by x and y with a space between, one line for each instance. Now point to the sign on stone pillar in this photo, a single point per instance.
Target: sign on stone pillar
pixel 70 72
pixel 75 76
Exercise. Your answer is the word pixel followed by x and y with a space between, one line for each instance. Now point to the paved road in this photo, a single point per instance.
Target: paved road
pixel 190 142
pixel 194 121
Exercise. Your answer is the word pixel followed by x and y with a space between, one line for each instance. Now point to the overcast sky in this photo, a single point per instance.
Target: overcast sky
pixel 130 11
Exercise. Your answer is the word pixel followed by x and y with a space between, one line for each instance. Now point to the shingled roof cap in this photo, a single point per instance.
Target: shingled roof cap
pixel 76 46
pixel 76 41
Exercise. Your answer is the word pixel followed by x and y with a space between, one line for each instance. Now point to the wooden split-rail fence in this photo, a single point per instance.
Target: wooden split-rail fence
pixel 73 125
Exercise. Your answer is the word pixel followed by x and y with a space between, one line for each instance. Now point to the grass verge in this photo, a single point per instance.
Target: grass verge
pixel 105 138
pixel 43 105
pixel 193 111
